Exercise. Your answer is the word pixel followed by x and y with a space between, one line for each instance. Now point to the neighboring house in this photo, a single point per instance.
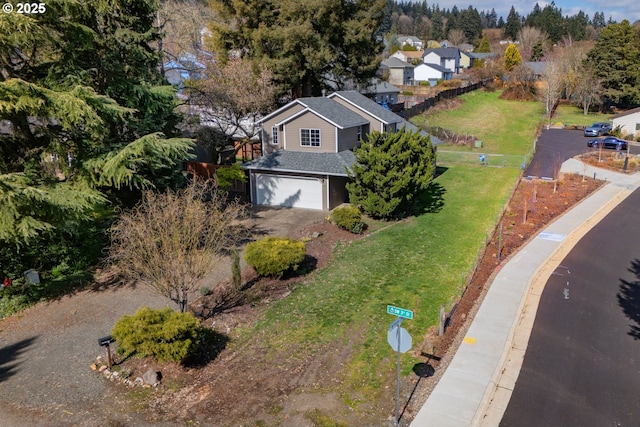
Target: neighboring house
pixel 400 72
pixel 466 59
pixel 187 67
pixel 447 57
pixel 481 56
pixel 629 122
pixel 409 56
pixel 307 146
pixel 431 73
pixel 411 41
pixel 383 93
pixel 538 68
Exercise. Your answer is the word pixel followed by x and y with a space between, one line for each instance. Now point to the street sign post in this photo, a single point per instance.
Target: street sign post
pixel 400 312
pixel 399 340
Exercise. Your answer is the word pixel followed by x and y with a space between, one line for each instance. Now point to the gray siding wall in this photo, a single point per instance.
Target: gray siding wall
pixel 337 191
pixel 267 137
pixel 310 121
pixel 348 138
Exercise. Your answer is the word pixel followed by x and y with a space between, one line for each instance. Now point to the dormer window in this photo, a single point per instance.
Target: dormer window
pixel 310 137
pixel 274 135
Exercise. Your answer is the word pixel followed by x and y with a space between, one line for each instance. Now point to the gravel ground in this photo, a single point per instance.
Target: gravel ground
pixel 46 351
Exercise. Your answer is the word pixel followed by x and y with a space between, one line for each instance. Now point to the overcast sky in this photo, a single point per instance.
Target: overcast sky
pixel 616 9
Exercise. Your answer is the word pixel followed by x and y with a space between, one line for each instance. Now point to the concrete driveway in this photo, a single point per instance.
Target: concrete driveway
pixel 282 222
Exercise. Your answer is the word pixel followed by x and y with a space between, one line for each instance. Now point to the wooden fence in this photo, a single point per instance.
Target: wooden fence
pixel 423 106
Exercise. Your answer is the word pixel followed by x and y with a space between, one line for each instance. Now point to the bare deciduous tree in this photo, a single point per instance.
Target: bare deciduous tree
pixel 171 241
pixel 529 38
pixel 456 37
pixel 588 89
pixel 232 97
pixel 553 79
pixel 183 24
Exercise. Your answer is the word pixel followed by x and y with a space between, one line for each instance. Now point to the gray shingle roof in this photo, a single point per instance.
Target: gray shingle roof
pixel 368 105
pixel 329 110
pixel 444 52
pixel 393 62
pixel 333 111
pixel 305 162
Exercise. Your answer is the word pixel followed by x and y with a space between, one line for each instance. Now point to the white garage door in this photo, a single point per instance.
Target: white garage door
pixel 276 190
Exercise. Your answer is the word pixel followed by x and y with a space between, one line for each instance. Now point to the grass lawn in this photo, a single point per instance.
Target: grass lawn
pixel 419 264
pixel 504 127
pixel 568 115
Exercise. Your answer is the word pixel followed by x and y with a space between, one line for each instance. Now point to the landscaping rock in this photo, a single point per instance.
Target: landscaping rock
pixel 151 377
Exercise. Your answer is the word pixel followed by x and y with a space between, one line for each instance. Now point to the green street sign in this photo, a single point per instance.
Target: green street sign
pixel 400 312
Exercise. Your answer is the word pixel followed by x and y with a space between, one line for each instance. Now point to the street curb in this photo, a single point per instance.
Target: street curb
pixel 500 388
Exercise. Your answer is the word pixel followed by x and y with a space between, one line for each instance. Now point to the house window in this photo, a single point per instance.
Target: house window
pixel 310 137
pixel 274 135
pixel 359 133
pixel 637 126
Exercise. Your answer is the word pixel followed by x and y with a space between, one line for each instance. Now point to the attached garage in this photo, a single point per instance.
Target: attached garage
pixel 288 191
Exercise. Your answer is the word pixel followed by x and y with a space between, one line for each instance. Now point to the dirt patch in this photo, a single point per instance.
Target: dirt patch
pixel 286 393
pixel 612 160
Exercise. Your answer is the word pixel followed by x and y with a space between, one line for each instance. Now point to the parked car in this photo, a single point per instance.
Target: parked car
pixel 597 129
pixel 608 142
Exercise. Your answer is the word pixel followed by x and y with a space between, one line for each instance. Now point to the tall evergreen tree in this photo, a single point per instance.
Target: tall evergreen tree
pixel 308 45
pixel 437 26
pixel 616 62
pixel 83 108
pixel 391 171
pixel 470 23
pixel 577 26
pixel 513 25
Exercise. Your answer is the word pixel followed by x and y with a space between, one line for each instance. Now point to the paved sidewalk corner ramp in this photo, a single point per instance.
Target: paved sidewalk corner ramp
pixel 465 392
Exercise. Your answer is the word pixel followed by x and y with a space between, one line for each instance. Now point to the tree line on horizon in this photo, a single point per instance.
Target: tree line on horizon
pixel 430 22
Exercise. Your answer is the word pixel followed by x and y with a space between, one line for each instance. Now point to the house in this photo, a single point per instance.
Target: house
pixel 537 68
pixel 629 122
pixel 431 73
pixel 410 56
pixel 400 72
pixel 186 67
pixel 411 41
pixel 307 146
pixel 447 57
pixel 466 59
pixel 382 93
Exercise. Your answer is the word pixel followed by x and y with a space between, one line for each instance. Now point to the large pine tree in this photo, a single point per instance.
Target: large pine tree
pixel 308 45
pixel 83 108
pixel 616 62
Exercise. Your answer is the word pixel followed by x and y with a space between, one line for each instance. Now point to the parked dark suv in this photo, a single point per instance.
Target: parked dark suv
pixel 597 129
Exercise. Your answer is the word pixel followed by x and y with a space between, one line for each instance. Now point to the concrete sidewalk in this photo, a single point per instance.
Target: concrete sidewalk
pixel 476 387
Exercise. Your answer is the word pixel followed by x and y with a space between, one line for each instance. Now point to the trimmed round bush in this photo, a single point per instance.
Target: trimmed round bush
pixel 348 218
pixel 273 256
pixel 167 335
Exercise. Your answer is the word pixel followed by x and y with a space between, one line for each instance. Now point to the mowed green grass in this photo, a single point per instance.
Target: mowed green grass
pixel 420 264
pixel 504 127
pixel 569 115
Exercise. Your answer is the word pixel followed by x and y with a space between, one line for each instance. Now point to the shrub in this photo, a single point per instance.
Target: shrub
pixel 348 218
pixel 273 256
pixel 167 335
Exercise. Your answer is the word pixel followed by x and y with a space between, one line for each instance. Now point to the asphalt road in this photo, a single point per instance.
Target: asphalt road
pixel 554 147
pixel 582 365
